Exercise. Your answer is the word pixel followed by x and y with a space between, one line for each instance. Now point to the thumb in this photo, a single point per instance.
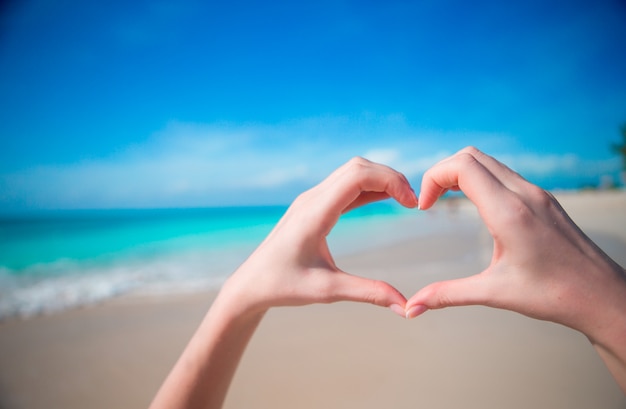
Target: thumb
pixel 463 291
pixel 348 287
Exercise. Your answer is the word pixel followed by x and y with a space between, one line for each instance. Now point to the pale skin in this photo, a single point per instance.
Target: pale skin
pixel 293 266
pixel 543 266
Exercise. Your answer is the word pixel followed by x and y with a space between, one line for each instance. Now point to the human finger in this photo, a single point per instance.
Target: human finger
pixel 462 171
pixel 347 287
pixel 361 179
pixel 473 290
pixel 508 177
pixel 356 183
pixel 366 198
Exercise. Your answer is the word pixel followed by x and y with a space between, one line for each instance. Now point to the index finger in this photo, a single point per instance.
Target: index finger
pixel 465 172
pixel 359 182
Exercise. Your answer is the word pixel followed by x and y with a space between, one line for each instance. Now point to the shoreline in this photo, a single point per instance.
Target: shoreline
pixel 117 353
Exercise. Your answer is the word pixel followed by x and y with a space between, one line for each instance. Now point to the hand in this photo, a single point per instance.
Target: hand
pixel 294 266
pixel 543 265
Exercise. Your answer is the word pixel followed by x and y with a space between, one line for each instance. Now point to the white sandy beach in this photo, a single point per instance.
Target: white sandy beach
pixel 115 355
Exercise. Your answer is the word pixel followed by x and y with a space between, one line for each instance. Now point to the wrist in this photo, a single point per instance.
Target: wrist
pixel 606 323
pixel 609 339
pixel 240 297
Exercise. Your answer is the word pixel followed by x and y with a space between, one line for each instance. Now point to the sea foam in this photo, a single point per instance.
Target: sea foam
pixel 65 261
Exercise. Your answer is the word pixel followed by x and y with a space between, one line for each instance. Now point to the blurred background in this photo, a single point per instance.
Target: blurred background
pixel 115 104
pixel 147 147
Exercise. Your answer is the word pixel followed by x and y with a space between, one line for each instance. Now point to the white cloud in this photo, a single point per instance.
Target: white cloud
pixel 388 156
pixel 276 177
pixel 558 165
pixel 185 164
pixel 202 165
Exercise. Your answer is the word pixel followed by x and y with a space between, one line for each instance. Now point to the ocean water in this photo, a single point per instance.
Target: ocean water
pixel 54 260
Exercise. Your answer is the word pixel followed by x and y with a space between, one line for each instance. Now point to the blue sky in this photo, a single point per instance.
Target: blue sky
pixel 202 103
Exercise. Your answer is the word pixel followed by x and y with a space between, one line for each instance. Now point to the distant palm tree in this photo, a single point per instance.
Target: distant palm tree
pixel 620 149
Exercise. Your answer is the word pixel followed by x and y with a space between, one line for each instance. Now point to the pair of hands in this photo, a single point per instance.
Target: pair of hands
pixel 543 266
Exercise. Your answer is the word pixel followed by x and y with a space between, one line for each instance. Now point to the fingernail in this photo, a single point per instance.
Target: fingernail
pixel 398 310
pixel 415 311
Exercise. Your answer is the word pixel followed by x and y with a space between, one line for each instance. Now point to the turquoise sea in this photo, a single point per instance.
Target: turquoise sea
pixel 53 260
